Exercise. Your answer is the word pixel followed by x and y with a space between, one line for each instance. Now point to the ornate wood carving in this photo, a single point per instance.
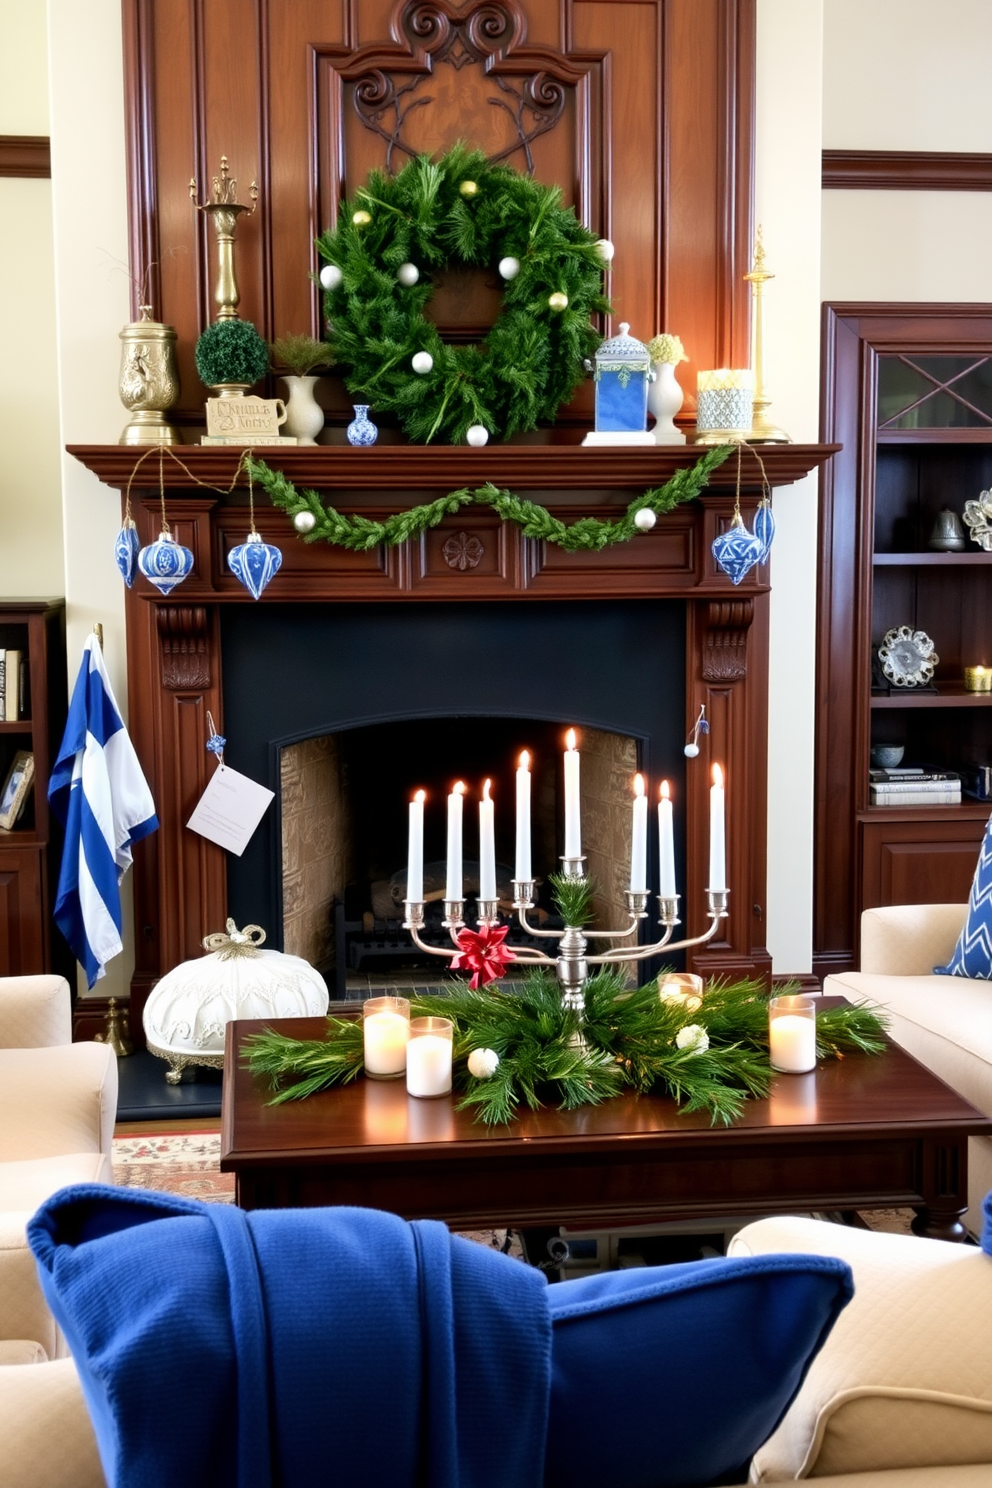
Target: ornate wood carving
pixel 25 155
pixel 725 642
pixel 462 551
pixel 906 170
pixel 183 634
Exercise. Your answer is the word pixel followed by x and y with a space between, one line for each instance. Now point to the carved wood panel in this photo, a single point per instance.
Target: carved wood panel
pixel 641 110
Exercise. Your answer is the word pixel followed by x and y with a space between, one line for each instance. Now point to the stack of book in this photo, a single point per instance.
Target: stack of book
pixel 12 666
pixel 908 786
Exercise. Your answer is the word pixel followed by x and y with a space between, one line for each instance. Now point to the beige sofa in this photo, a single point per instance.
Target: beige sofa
pixel 944 1022
pixel 58 1103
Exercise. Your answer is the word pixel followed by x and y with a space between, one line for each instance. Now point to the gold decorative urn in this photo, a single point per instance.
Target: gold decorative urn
pixel 149 384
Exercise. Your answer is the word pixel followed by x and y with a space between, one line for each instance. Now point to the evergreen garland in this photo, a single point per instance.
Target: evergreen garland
pixel 586 533
pixel 712 1058
pixel 462 211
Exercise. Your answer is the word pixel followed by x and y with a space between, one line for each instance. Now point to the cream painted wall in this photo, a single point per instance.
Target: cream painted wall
pixel 89 196
pixel 905 75
pixel 787 203
pixel 30 494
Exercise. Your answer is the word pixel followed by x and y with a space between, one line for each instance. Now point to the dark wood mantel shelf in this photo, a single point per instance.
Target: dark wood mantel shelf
pixel 391 467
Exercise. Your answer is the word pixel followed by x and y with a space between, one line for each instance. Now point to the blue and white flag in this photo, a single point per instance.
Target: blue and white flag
pixel 98 792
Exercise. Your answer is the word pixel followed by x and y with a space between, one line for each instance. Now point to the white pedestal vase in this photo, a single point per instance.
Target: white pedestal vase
pixel 304 415
pixel 664 401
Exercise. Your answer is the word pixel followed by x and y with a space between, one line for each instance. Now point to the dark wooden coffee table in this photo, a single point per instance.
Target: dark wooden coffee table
pixel 859 1133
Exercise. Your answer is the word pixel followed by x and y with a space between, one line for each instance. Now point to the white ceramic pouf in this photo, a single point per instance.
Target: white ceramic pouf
pixel 189 1009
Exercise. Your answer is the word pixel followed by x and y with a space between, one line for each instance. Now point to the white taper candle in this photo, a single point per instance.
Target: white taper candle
pixel 487 846
pixel 453 881
pixel 718 849
pixel 639 839
pixel 666 845
pixel 522 871
pixel 415 850
pixel 573 825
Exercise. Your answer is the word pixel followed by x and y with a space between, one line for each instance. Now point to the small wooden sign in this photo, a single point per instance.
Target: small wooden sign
pixel 245 415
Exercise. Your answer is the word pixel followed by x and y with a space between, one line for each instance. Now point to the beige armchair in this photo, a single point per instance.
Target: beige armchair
pixel 58 1103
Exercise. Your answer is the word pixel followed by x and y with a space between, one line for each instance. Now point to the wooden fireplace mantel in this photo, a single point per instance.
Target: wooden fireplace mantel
pixel 175 662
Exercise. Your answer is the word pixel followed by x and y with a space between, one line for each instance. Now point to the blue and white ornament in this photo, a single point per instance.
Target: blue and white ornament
pixel 126 551
pixel 254 563
pixel 737 550
pixel 764 528
pixel 165 563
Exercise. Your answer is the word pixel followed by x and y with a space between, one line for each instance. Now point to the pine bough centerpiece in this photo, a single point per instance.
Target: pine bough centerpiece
pixel 712 1058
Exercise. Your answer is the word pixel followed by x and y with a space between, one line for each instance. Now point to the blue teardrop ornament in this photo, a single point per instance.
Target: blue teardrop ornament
pixel 254 563
pixel 165 563
pixel 737 550
pixel 126 551
pixel 764 529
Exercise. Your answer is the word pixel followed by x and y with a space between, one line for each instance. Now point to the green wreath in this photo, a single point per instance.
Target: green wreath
pixel 462 211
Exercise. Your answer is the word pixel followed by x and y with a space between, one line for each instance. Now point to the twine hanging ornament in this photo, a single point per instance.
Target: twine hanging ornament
pixel 254 562
pixel 737 550
pixel 164 563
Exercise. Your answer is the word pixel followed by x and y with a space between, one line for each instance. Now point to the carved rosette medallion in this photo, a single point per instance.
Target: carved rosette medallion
pixel 462 551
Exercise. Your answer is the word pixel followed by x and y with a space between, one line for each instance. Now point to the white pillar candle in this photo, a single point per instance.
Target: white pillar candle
pixel 718 849
pixel 573 825
pixel 415 851
pixel 639 839
pixel 385 1029
pixel 666 844
pixel 453 881
pixel 522 871
pixel 487 846
pixel 428 1057
pixel 792 1043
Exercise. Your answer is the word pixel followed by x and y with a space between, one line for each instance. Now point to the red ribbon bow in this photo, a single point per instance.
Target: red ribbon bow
pixel 483 953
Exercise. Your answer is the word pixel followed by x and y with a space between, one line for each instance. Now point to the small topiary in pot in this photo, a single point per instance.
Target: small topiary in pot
pixel 231 351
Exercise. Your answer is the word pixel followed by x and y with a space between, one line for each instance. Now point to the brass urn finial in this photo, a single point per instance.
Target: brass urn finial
pixel 224 212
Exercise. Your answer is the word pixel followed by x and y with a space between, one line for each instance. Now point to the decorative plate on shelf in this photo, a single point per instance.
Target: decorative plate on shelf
pixel 907 657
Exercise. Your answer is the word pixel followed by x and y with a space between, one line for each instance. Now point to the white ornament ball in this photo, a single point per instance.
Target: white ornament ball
pixel 509 267
pixel 690 751
pixel 483 1063
pixel 645 519
pixel 422 362
pixel 304 521
pixel 408 274
pixel 330 276
pixel 606 250
pixel 477 435
pixel 558 300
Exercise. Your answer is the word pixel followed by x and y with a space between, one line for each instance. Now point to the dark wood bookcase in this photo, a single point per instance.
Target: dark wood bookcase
pixel 907 390
pixel 28 865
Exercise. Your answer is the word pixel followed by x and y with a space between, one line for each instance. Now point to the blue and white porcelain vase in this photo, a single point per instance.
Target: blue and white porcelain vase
pixel 362 430
pixel 165 563
pixel 254 562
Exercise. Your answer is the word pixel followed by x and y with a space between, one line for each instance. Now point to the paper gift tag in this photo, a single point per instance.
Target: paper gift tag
pixel 230 809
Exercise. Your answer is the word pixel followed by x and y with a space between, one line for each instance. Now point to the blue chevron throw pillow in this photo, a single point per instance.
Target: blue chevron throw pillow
pixel 973 953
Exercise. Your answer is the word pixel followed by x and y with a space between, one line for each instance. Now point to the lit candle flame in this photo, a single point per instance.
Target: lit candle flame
pixel 570 739
pixel 485 790
pixel 420 796
pixel 717 775
pixel 524 760
pixel 459 788
pixel 638 785
pixel 664 793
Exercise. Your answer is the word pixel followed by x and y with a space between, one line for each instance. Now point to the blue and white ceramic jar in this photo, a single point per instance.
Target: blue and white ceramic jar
pixel 362 430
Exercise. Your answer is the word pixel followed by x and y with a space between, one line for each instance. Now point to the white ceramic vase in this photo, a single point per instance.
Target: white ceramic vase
pixel 664 401
pixel 304 415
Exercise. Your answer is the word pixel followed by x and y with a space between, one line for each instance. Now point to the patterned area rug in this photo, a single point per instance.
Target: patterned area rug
pixel 188 1163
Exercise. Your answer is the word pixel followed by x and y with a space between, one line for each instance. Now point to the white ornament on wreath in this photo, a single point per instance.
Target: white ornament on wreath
pixel 477 435
pixel 187 1013
pixel 606 250
pixel 645 519
pixel 330 276
pixel 422 362
pixel 304 521
pixel 408 274
pixel 509 267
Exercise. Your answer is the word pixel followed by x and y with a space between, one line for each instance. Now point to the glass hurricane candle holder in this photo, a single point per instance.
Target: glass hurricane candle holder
pixel 428 1056
pixel 792 1034
pixel 683 987
pixel 386 1029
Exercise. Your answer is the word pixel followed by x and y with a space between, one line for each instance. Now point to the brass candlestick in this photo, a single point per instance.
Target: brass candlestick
pixel 763 431
pixel 224 211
